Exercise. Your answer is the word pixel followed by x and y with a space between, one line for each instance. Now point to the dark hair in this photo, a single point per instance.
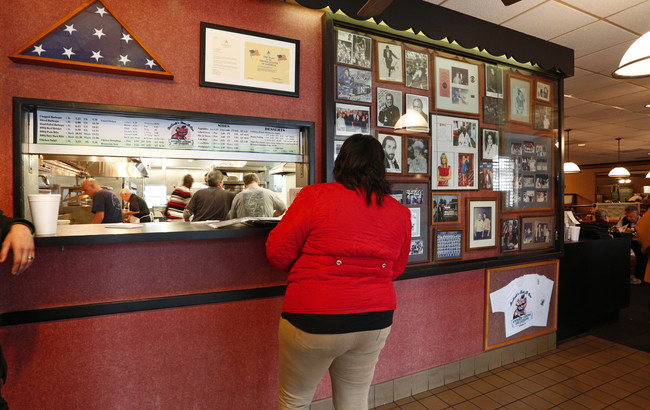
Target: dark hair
pixel 360 166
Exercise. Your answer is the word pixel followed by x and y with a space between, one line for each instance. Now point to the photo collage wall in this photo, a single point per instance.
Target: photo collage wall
pixel 482 148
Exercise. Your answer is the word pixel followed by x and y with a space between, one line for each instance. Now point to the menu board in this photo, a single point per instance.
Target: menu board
pixel 140 132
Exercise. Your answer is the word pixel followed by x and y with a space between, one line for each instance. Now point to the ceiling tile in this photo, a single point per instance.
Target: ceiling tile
pixel 593 37
pixel 577 122
pixel 573 85
pixel 638 99
pixel 490 10
pixel 634 18
pixel 612 115
pixel 603 8
pixel 535 21
pixel 604 61
pixel 615 90
pixel 580 110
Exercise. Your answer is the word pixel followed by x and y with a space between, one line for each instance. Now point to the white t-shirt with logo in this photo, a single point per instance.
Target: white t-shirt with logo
pixel 524 301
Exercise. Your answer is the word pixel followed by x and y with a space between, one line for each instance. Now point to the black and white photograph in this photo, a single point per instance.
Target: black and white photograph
pixel 543 90
pixel 392 145
pixel 417 155
pixel 481 223
pixel 490 144
pixel 414 196
pixel 390 62
pixel 353 84
pixel 494 111
pixel 493 81
pixel 352 119
pixel 415 222
pixel 528 181
pixel 416 69
pixel 509 235
pixel 354 49
pixel 418 104
pixel 389 107
pixel 543 117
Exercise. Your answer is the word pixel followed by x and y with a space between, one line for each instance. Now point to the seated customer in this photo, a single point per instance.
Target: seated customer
pixel 255 200
pixel 212 203
pixel 628 224
pixel 602 217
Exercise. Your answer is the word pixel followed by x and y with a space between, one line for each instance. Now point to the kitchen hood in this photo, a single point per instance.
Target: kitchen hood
pixel 283 168
pixel 90 167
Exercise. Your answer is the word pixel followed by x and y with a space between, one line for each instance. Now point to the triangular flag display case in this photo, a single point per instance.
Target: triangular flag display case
pixel 92 38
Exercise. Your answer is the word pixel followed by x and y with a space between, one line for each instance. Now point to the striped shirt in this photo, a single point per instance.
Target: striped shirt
pixel 177 202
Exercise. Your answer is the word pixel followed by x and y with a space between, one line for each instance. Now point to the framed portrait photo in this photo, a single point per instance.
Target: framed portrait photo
pixel 490 145
pixel 493 81
pixel 486 175
pixel 352 119
pixel 417 155
pixel 457 86
pixel 509 235
pixel 245 60
pixel 418 104
pixel 454 148
pixel 390 62
pixel 392 145
pixel 353 49
pixel 448 244
pixel 538 232
pixel 481 217
pixel 544 118
pixel 519 107
pixel 445 208
pixel 543 90
pixel 353 84
pixel 494 111
pixel 389 107
pixel 416 67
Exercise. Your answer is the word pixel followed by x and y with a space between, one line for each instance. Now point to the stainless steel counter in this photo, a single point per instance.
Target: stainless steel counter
pixel 87 234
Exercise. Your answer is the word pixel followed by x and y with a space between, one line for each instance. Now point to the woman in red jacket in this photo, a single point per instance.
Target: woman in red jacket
pixel 342 243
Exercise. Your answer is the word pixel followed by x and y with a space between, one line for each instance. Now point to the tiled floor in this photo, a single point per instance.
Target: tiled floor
pixel 585 373
pixel 607 368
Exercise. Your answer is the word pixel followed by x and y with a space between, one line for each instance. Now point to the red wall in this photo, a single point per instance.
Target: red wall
pixel 170 29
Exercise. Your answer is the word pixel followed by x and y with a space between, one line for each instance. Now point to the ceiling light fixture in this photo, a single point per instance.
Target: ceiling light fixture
pixel 636 60
pixel 411 122
pixel 569 167
pixel 619 171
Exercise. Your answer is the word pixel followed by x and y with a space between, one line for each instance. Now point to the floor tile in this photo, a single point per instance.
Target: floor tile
pixel 450 397
pixel 433 402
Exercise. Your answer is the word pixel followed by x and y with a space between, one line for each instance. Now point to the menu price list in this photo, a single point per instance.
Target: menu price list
pixel 82 129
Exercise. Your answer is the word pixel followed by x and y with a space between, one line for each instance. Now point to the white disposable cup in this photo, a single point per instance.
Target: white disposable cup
pixel 574 233
pixel 45 212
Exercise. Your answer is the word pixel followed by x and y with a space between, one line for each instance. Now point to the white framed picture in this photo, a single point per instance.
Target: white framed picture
pixel 457 86
pixel 454 148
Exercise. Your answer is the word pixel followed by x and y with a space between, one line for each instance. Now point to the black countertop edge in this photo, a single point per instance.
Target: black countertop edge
pixel 98 239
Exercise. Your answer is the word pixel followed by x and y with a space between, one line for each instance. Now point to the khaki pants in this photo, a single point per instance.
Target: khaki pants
pixel 305 357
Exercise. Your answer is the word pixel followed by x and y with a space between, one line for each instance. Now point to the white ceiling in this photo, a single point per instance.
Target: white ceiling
pixel 598 108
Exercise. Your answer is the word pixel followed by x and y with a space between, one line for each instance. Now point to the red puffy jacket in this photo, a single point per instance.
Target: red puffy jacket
pixel 341 254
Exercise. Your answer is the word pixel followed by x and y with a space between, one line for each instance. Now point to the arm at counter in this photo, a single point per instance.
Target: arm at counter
pixel 99 217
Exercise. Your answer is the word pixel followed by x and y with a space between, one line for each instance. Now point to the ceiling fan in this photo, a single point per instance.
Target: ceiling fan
pixel 375 7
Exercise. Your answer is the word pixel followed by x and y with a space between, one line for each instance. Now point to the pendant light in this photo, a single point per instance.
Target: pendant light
pixel 569 167
pixel 636 60
pixel 619 172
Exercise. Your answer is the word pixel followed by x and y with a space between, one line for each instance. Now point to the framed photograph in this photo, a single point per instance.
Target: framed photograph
pixel 493 81
pixel 454 147
pixel 494 110
pixel 543 90
pixel 519 104
pixel 456 86
pixel 446 208
pixel 449 244
pixel 510 235
pixel 390 62
pixel 544 118
pixel 389 107
pixel 416 67
pixel 353 84
pixel 418 104
pixel 490 144
pixel 245 60
pixel 337 147
pixel 415 196
pixel 392 145
pixel 353 49
pixel 352 119
pixel 481 215
pixel 485 176
pixel 417 155
pixel 538 232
